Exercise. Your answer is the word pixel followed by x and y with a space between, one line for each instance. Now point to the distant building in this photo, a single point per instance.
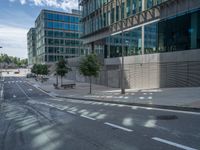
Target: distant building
pixel 31 43
pixel 57 36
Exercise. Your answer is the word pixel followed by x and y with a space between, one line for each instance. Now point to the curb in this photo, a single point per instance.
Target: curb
pixel 180 108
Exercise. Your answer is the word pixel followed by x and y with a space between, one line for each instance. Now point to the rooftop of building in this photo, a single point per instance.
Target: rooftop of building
pixel 74 12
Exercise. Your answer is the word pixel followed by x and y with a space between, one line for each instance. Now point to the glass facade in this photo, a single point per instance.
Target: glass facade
pixel 112 13
pixel 173 34
pixel 180 31
pixel 57 36
pixel 31 40
pixel 131 43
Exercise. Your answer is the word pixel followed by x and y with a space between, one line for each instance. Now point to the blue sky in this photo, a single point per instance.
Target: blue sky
pixel 17 16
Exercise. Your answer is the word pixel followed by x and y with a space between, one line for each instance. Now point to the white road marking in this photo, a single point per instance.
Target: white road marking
pixel 87 117
pixel 1 93
pixel 119 127
pixel 23 92
pixel 71 112
pixel 170 110
pixel 30 89
pixel 151 108
pixel 40 89
pixel 173 144
pixel 14 96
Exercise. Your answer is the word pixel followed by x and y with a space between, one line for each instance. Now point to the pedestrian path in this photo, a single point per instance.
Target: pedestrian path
pixel 177 97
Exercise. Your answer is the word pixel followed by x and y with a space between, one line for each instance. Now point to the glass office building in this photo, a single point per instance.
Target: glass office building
pixel 31 40
pixel 141 26
pixel 161 39
pixel 57 36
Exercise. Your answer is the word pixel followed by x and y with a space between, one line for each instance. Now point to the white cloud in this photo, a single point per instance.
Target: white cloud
pixel 23 2
pixel 62 4
pixel 13 40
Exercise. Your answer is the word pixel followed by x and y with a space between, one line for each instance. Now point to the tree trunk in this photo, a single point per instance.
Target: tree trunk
pixel 61 80
pixel 90 85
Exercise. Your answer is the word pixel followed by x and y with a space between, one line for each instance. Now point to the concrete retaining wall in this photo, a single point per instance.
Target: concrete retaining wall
pixel 174 69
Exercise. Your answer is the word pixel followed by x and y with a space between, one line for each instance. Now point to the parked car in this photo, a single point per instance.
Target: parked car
pixel 30 75
pixel 16 72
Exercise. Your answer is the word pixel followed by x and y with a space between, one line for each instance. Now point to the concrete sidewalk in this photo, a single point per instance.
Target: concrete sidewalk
pixel 177 98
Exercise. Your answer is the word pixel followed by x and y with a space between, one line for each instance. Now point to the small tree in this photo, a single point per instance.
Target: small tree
pixel 90 67
pixel 34 69
pixel 62 69
pixel 39 69
pixel 44 70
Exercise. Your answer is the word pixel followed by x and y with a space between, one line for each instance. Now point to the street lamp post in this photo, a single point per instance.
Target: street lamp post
pixel 122 45
pixel 1 67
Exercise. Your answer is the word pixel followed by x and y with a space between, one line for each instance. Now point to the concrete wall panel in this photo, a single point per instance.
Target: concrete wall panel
pixel 175 69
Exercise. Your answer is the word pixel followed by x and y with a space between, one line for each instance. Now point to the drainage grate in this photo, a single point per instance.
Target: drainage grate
pixel 167 117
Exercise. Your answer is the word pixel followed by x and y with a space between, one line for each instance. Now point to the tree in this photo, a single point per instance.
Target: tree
pixel 4 58
pixel 62 68
pixel 90 67
pixel 34 69
pixel 39 69
pixel 44 70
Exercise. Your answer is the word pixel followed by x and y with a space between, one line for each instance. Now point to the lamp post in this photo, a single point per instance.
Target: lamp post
pixel 122 45
pixel 1 67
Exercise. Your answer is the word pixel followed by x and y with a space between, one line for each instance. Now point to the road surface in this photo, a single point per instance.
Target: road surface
pixel 31 119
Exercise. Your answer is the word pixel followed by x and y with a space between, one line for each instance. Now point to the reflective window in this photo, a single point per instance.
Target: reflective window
pixel 150 39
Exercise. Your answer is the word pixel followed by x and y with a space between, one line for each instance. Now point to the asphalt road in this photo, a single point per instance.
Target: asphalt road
pixel 31 119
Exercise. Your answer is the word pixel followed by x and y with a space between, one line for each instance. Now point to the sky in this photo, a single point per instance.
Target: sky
pixel 18 16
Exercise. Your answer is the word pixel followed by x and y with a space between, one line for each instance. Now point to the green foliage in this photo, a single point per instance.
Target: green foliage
pixel 44 70
pixel 62 68
pixel 34 69
pixel 4 58
pixel 40 69
pixel 89 66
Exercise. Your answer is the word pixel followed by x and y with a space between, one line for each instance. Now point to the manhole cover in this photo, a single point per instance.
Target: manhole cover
pixel 166 117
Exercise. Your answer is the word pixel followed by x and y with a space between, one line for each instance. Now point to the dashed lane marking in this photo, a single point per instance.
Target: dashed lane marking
pixel 23 91
pixel 1 93
pixel 40 89
pixel 71 112
pixel 173 144
pixel 118 127
pixel 87 117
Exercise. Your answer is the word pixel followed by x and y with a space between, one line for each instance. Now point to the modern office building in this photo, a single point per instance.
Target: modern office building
pixel 57 36
pixel 31 45
pixel 160 39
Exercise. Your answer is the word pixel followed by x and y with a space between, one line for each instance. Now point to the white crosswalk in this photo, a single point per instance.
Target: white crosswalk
pixel 18 81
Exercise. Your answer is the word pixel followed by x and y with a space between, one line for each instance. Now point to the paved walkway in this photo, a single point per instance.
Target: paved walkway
pixel 177 97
